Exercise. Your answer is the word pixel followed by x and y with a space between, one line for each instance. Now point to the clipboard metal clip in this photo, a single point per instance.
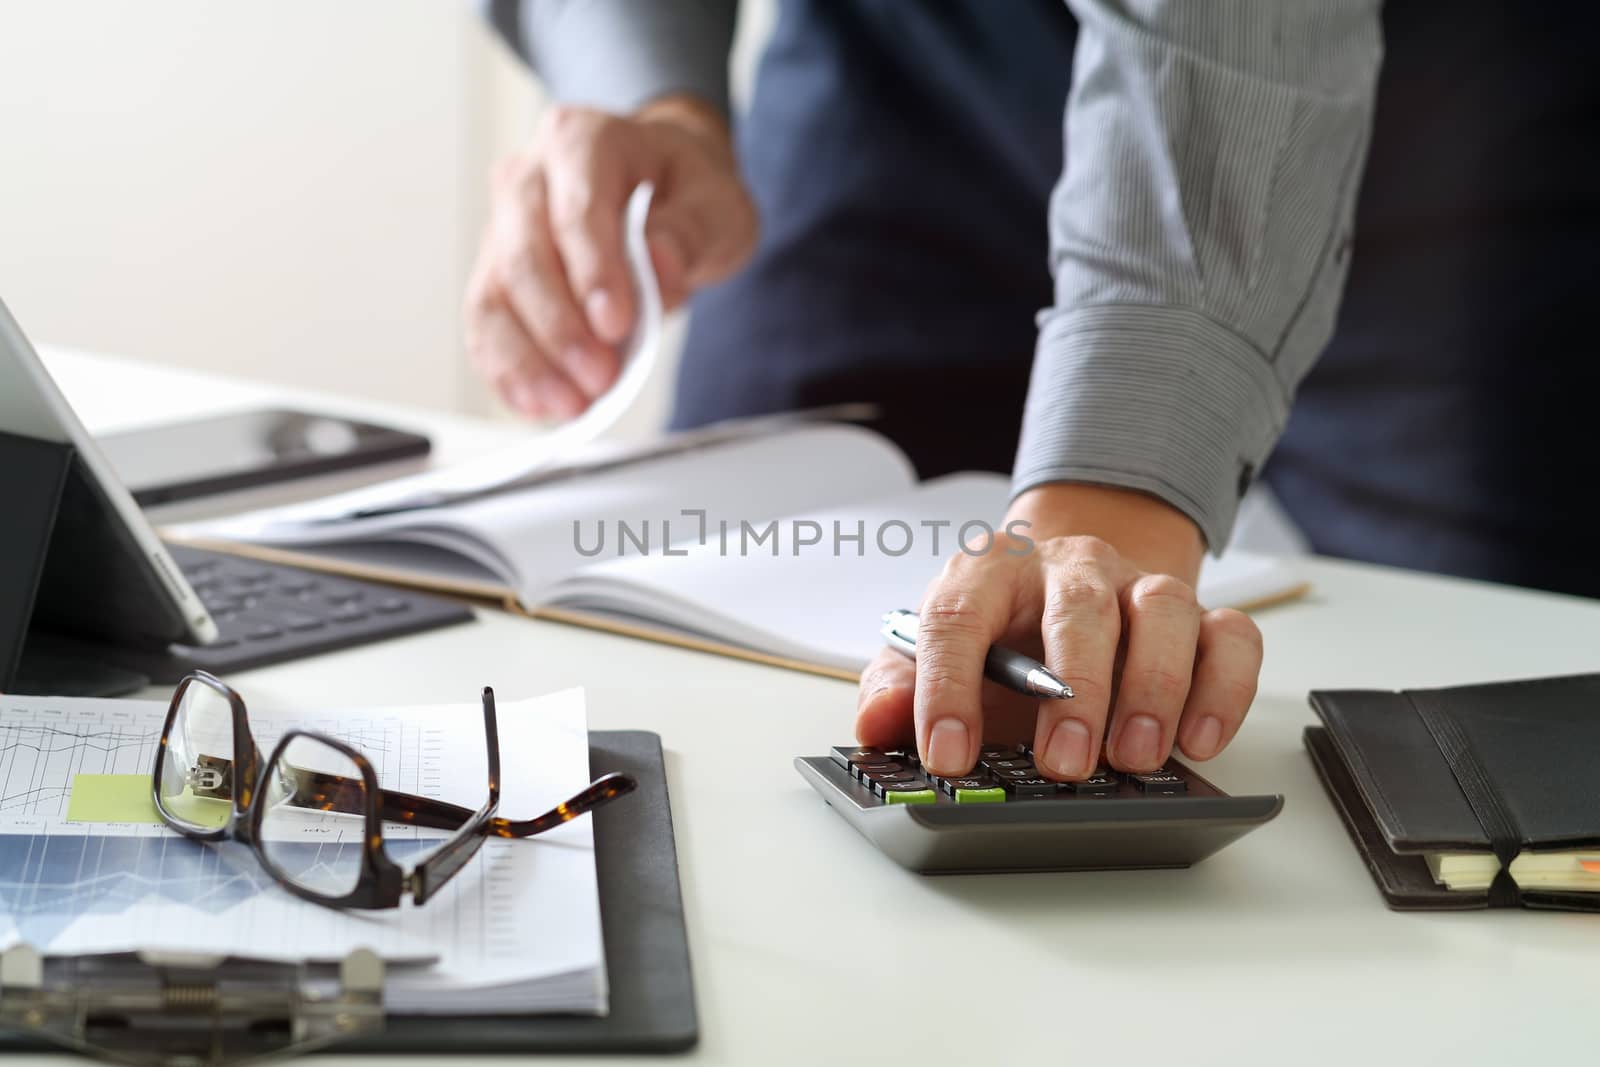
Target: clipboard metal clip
pixel 188 1011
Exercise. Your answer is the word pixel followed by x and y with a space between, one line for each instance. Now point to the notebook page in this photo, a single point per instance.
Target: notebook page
pixel 822 602
pixel 529 539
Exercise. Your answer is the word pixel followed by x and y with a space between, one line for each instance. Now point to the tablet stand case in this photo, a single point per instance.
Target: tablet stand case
pixel 647 950
pixel 67 575
pixel 1495 768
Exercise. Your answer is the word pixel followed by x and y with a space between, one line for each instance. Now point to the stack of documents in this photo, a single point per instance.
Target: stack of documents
pixel 86 866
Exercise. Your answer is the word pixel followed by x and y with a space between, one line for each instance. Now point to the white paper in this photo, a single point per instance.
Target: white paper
pixel 580 438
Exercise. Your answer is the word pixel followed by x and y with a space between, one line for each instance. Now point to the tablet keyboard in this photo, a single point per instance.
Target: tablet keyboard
pixel 271 613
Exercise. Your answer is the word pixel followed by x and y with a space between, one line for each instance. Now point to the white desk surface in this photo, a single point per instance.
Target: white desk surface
pixel 809 947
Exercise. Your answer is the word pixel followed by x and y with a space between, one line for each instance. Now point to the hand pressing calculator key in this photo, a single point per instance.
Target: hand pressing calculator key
pixel 1006 816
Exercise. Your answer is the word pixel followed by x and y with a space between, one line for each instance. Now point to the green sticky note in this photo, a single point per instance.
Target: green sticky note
pixel 111 798
pixel 992 795
pixel 915 796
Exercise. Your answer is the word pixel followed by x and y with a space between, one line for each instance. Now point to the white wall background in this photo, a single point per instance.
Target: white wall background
pixel 285 189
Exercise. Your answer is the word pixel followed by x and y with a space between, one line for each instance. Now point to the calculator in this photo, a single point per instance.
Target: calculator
pixel 1005 816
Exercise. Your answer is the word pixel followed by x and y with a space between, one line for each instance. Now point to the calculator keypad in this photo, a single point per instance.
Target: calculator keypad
pixel 1004 774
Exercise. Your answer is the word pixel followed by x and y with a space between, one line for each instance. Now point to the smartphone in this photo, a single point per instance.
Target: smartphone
pixel 224 453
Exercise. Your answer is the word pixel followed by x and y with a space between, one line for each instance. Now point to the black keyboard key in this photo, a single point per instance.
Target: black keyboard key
pixel 297 586
pixel 1099 784
pixel 873 770
pixel 262 632
pixel 300 623
pixel 346 596
pixel 1030 788
pixel 393 606
pixel 1162 783
pixel 1015 773
pixel 349 613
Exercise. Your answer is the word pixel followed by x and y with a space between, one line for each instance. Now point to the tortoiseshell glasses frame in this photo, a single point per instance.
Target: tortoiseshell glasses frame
pixel 382 883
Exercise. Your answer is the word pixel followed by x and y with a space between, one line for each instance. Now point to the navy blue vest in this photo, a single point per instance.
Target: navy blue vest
pixel 902 152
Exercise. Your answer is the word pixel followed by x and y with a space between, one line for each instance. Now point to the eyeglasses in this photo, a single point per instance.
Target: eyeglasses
pixel 211 784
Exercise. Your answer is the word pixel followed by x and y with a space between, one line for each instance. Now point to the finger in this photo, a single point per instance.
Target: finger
pixel 884 706
pixel 535 283
pixel 1081 623
pixel 1227 667
pixel 1163 623
pixel 964 612
pixel 705 238
pixel 588 198
pixel 516 367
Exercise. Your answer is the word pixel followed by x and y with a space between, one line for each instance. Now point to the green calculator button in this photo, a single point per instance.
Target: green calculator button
pixel 991 795
pixel 910 796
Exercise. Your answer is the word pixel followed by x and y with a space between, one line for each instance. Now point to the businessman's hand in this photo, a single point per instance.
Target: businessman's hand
pixel 550 298
pixel 1105 597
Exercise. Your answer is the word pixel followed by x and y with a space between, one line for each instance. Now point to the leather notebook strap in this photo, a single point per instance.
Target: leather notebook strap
pixel 1505 838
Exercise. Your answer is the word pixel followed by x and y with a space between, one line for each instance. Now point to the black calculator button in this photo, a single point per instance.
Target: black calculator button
pixel 1160 783
pixel 1027 788
pixel 1096 785
pixel 989 752
pixel 881 770
pixel 971 781
pixel 1014 764
pixel 1015 774
pixel 914 786
pixel 849 757
pixel 264 632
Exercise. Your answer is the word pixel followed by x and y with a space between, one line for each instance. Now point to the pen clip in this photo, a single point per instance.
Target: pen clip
pixel 900 631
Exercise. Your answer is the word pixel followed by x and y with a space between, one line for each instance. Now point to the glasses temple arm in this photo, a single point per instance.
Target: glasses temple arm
pixel 598 793
pixel 330 792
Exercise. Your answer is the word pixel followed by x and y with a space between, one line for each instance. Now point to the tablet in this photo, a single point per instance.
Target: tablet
pixel 107 575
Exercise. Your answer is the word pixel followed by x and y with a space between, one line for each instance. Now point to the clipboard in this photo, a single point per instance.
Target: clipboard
pixel 647 956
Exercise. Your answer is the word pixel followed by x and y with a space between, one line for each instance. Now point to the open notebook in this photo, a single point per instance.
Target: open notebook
pixel 785 545
pixel 771 538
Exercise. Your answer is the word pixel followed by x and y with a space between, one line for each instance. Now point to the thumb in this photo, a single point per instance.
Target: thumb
pixel 884 716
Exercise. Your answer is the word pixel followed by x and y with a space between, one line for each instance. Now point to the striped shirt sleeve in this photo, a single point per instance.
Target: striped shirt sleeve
pixel 618 55
pixel 1199 237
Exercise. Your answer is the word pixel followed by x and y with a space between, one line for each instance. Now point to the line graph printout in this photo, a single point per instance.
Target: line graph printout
pixel 120 881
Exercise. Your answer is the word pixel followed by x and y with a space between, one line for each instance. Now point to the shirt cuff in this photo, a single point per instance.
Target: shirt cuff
pixel 618 55
pixel 1160 399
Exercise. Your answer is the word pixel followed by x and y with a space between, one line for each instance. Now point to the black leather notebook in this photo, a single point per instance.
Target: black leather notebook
pixel 1499 769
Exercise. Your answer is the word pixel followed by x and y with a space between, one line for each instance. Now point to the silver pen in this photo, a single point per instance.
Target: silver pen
pixel 1013 670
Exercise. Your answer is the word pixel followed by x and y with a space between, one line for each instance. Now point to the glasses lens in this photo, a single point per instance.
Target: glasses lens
pixel 312 819
pixel 196 780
